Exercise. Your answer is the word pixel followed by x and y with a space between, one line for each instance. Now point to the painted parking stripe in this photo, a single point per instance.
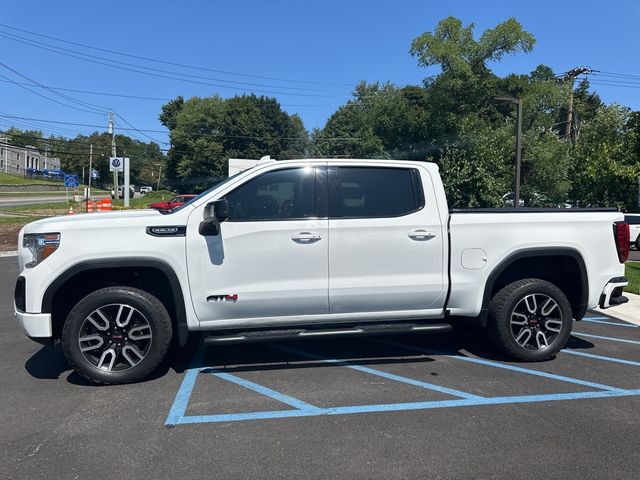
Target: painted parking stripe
pixel 268 392
pixel 381 373
pixel 602 357
pixel 395 407
pixel 605 320
pixel 179 407
pixel 613 339
pixel 505 366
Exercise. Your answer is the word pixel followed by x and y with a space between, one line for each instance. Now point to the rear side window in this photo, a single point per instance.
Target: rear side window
pixel 286 194
pixel 370 192
pixel 632 219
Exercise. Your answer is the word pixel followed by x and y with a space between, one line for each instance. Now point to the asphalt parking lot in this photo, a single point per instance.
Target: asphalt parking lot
pixel 445 406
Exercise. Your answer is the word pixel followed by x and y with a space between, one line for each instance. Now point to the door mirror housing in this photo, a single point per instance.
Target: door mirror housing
pixel 214 213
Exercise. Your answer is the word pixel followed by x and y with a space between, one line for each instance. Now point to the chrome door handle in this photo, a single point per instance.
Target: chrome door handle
pixel 306 237
pixel 421 235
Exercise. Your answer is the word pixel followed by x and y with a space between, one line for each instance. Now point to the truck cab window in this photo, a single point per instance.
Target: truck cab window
pixel 369 192
pixel 279 195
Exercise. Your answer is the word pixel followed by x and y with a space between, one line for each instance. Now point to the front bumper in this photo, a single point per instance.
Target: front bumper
pixel 35 325
pixel 612 293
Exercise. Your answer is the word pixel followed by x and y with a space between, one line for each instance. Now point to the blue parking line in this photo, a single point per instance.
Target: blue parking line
pixel 281 397
pixel 179 406
pixel 605 321
pixel 380 373
pixel 602 357
pixel 613 339
pixel 396 407
pixel 505 366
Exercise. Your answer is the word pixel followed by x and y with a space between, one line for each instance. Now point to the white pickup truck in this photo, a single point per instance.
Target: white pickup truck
pixel 303 248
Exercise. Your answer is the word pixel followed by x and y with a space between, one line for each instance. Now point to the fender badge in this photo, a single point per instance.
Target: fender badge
pixel 223 298
pixel 168 231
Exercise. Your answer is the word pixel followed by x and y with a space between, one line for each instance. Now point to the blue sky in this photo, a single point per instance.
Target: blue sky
pixel 330 44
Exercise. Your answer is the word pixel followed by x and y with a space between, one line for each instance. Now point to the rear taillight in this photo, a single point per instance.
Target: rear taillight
pixel 622 236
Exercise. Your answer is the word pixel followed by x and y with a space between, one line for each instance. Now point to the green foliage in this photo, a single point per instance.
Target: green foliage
pixel 206 132
pixel 632 272
pixel 604 165
pixel 453 47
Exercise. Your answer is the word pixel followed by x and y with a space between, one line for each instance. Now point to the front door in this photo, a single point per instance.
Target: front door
pixel 270 258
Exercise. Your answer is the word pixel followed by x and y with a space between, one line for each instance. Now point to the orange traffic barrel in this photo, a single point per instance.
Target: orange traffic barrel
pixel 107 205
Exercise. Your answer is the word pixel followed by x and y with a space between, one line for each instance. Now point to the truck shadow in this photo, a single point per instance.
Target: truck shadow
pixel 49 363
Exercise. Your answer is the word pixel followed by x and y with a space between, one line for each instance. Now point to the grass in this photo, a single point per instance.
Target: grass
pixel 18 220
pixel 632 272
pixel 8 179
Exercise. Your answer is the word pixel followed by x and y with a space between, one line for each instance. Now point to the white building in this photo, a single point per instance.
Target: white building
pixel 23 160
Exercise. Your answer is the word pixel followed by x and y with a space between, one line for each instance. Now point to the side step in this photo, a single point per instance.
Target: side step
pixel 298 333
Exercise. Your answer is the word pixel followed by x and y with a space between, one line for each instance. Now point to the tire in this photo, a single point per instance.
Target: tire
pixel 116 335
pixel 530 320
pixel 638 243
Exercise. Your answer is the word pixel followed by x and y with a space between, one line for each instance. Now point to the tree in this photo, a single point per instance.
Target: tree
pixel 604 166
pixel 453 47
pixel 206 132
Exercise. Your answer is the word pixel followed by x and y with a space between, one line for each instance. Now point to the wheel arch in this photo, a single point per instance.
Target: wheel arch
pixel 553 264
pixel 150 274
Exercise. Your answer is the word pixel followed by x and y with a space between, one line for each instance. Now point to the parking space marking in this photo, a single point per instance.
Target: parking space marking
pixel 177 414
pixel 613 339
pixel 380 373
pixel 266 391
pixel 602 357
pixel 605 321
pixel 395 407
pixel 505 366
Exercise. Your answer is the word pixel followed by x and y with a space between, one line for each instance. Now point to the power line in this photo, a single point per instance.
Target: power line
pixel 226 72
pixel 168 74
pixel 254 137
pixel 97 108
pixel 48 98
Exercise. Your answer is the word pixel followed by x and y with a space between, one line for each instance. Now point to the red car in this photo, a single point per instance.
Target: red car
pixel 173 203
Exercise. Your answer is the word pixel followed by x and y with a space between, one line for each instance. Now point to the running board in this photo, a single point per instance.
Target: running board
pixel 298 333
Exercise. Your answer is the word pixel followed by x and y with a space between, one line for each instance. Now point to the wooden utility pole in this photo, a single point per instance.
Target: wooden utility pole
pixel 570 77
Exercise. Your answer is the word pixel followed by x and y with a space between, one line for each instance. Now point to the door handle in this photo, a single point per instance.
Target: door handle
pixel 306 237
pixel 421 235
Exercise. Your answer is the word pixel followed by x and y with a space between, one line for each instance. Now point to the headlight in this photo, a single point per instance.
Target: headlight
pixel 41 245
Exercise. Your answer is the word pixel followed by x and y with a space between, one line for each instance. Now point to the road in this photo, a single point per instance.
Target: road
pixel 19 201
pixel 331 408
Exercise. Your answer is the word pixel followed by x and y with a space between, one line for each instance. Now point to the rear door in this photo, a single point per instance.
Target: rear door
pixel 386 245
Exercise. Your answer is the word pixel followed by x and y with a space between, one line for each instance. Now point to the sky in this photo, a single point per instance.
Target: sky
pixel 309 55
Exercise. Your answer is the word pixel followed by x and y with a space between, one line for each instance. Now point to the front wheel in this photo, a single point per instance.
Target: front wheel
pixel 116 335
pixel 530 320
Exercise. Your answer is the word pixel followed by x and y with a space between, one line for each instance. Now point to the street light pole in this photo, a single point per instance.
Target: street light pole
pixel 518 103
pixel 516 199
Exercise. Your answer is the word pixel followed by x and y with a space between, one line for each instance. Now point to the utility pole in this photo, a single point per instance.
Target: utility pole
pixel 113 153
pixel 90 166
pixel 570 77
pixel 159 177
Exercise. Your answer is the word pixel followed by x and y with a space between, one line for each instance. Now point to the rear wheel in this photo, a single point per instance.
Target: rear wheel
pixel 530 320
pixel 116 335
pixel 638 243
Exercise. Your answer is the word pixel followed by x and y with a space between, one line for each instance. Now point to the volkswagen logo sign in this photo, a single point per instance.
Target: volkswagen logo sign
pixel 115 162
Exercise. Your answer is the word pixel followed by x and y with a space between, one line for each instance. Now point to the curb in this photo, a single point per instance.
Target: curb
pixel 12 253
pixel 628 312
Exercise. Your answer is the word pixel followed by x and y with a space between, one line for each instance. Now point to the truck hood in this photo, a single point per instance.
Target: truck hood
pixel 124 218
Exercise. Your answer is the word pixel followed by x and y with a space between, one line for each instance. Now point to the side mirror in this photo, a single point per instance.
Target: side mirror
pixel 214 213
pixel 220 210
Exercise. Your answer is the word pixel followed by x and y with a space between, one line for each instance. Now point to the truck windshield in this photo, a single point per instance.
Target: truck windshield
pixel 216 184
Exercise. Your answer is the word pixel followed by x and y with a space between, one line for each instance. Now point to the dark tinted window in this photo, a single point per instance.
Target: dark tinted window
pixel 632 219
pixel 279 195
pixel 367 192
